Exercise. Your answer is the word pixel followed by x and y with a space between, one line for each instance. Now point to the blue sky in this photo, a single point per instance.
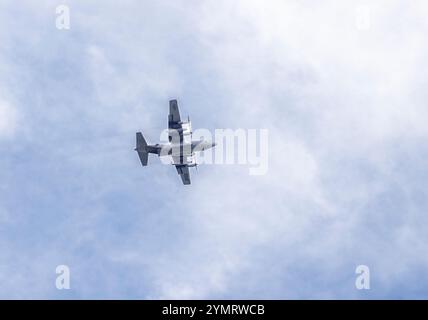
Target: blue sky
pixel 346 111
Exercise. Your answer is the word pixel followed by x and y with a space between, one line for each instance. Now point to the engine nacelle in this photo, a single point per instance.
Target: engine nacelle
pixel 186 128
pixel 191 161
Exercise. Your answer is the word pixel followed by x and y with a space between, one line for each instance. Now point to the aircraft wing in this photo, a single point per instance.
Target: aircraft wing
pixel 174 119
pixel 174 122
pixel 183 171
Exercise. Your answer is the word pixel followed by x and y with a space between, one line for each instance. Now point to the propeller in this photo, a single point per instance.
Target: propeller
pixel 190 127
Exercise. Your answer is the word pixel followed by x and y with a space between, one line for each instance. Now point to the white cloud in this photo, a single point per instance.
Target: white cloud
pixel 336 100
pixel 344 108
pixel 8 119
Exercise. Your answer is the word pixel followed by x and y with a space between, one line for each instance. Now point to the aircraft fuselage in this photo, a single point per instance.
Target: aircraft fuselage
pixel 185 149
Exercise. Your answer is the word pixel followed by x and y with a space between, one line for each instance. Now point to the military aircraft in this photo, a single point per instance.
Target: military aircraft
pixel 180 147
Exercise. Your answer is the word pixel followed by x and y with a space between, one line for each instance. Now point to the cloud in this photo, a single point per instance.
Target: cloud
pixel 346 114
pixel 8 119
pixel 339 104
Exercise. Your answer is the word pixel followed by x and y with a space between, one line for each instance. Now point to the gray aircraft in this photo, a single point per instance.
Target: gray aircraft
pixel 180 147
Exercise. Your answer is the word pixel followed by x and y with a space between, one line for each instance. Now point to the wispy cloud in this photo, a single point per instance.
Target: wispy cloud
pixel 346 113
pixel 8 119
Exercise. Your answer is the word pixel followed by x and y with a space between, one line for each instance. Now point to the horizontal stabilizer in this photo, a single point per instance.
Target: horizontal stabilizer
pixel 141 148
pixel 183 171
pixel 141 142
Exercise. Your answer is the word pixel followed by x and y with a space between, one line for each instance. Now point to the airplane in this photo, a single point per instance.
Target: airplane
pixel 180 147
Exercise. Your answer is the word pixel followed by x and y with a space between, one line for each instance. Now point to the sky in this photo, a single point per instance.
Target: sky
pixel 339 85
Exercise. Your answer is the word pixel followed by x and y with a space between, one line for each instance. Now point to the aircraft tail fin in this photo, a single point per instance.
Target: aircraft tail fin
pixel 141 148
